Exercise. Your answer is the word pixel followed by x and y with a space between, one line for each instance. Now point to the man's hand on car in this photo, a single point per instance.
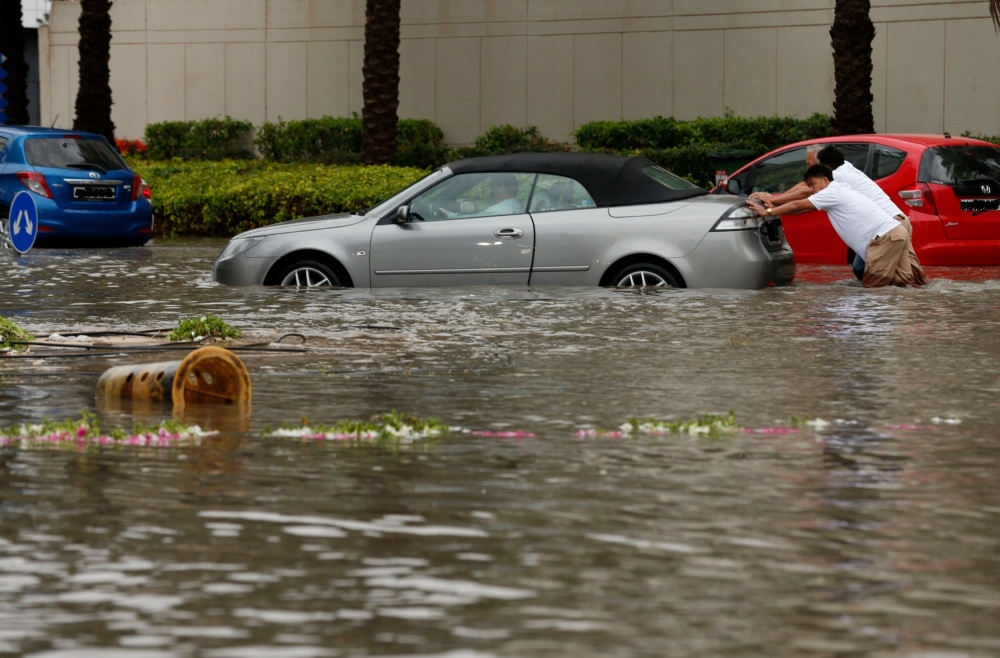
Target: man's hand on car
pixel 766 197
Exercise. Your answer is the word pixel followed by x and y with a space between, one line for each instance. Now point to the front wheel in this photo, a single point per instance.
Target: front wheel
pixel 644 275
pixel 308 274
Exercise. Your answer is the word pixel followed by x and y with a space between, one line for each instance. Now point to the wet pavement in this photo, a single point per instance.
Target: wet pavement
pixel 876 535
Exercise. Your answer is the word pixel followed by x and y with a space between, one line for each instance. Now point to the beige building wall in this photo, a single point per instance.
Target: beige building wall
pixel 555 64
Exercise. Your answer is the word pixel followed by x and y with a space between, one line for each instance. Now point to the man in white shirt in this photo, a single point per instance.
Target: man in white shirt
pixel 845 172
pixel 861 224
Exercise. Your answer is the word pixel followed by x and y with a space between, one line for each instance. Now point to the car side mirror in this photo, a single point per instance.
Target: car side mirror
pixel 733 186
pixel 403 215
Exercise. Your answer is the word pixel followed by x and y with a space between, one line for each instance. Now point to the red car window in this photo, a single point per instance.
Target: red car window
pixel 886 161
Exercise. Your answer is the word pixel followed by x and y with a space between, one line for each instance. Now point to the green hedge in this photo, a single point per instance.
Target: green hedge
pixel 209 139
pixel 224 198
pixel 992 139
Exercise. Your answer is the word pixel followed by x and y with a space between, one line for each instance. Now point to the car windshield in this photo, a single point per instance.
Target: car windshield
pixel 953 165
pixel 668 180
pixel 72 153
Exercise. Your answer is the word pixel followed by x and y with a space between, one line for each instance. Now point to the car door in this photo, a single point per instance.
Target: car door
pixel 568 232
pixel 470 229
pixel 818 242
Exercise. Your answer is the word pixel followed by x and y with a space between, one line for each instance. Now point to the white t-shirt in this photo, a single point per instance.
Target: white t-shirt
pixel 855 217
pixel 848 173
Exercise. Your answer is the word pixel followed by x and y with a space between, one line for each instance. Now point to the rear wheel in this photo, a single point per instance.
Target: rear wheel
pixel 308 274
pixel 644 275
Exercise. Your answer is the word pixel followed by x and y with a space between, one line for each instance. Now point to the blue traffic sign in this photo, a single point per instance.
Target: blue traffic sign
pixel 22 226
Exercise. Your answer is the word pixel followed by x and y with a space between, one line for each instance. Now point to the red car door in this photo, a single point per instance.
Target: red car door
pixel 811 235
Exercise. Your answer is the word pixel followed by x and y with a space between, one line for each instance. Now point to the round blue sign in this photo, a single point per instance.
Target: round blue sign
pixel 22 227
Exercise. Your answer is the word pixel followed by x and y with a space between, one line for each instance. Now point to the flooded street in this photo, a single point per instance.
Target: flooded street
pixel 874 535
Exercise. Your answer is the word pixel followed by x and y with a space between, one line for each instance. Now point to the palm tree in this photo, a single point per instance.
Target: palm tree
pixel 381 81
pixel 12 45
pixel 852 34
pixel 93 99
pixel 995 13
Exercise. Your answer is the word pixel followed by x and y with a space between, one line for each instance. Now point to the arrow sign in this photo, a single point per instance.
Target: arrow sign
pixel 22 225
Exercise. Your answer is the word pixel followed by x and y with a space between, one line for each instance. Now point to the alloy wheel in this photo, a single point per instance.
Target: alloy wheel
pixel 643 279
pixel 307 277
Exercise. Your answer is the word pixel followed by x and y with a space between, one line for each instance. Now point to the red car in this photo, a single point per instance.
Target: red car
pixel 949 187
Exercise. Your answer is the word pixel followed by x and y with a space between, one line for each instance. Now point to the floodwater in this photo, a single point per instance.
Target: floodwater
pixel 876 535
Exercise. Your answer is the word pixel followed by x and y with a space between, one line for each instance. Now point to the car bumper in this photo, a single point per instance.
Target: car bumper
pixel 134 221
pixel 737 259
pixel 239 270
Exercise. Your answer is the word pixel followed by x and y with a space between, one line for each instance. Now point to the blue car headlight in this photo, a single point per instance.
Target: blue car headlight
pixel 239 246
pixel 739 218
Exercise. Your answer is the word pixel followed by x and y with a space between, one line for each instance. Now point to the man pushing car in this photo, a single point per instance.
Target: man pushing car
pixel 861 224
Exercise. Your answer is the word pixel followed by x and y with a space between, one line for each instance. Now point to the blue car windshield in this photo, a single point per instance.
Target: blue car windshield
pixel 72 153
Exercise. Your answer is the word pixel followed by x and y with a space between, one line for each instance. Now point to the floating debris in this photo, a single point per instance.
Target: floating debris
pixel 11 331
pixel 390 426
pixel 512 434
pixel 85 433
pixel 195 329
pixel 709 424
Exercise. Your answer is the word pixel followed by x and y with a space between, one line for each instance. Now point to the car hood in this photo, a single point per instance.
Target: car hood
pixel 304 224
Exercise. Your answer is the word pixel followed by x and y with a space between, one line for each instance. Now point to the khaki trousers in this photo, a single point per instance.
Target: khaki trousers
pixel 891 260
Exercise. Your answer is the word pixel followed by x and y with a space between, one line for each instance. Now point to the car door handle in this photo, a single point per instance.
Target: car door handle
pixel 509 234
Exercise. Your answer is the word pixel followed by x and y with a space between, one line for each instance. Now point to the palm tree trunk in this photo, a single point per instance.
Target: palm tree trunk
pixel 995 13
pixel 93 99
pixel 381 81
pixel 12 45
pixel 852 34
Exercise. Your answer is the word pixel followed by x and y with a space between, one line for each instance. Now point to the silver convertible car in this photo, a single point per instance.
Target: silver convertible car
pixel 569 219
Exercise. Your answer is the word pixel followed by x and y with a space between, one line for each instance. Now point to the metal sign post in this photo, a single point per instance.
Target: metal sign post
pixel 22 225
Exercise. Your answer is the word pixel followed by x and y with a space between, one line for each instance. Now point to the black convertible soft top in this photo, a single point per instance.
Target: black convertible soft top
pixel 611 180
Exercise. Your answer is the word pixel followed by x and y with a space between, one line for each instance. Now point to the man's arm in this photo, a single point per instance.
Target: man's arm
pixel 800 191
pixel 799 207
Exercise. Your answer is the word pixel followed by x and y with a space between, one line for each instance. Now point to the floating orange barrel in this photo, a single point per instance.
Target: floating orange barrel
pixel 209 375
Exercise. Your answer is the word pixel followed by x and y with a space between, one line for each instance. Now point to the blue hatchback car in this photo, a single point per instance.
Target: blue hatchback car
pixel 84 191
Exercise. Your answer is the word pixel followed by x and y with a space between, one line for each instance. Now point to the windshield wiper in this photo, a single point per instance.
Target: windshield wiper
pixel 87 166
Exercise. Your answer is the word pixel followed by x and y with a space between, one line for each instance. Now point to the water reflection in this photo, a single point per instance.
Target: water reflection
pixel 873 536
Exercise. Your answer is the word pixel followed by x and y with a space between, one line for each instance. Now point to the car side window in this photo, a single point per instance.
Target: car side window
pixel 781 172
pixel 856 154
pixel 886 161
pixel 474 195
pixel 559 193
pixel 3 147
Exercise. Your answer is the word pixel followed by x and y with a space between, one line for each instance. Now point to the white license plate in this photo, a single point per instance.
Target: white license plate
pixel 94 193
pixel 977 206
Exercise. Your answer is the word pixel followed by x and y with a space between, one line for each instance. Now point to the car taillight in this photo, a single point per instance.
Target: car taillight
pixel 919 196
pixel 35 182
pixel 139 188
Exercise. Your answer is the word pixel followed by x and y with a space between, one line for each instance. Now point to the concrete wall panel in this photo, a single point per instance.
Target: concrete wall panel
pixel 647 75
pixel 355 76
pixel 205 14
pixel 327 79
pixel 128 67
pixel 245 82
pixel 550 85
pixel 417 72
pixel 915 77
pixel 205 77
pixel 65 75
pixel 312 14
pixel 804 61
pixel 880 46
pixel 698 74
pixel 286 81
pixel 597 80
pixel 166 86
pixel 504 78
pixel 751 72
pixel 458 99
pixel 972 90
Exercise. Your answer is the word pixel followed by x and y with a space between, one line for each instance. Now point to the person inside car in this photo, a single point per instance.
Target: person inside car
pixel 861 223
pixel 503 189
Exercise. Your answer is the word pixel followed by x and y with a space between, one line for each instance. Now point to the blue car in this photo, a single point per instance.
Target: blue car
pixel 84 191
